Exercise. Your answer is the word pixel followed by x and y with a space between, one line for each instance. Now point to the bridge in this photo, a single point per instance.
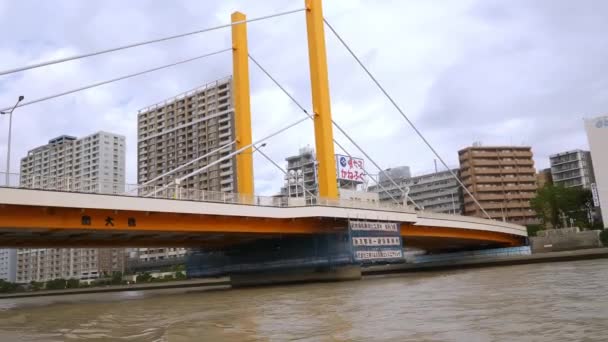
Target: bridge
pixel 56 217
pixel 55 213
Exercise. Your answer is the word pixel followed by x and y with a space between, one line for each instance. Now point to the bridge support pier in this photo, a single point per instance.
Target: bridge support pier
pixel 296 276
pixel 286 259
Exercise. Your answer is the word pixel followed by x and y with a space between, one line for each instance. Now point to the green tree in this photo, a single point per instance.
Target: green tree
pixel 144 277
pixel 116 278
pixel 73 283
pixel 604 237
pixel 56 284
pixel 6 286
pixel 180 276
pixel 553 202
pixel 36 285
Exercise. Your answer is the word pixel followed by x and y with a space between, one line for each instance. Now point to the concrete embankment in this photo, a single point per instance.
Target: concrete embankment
pixel 583 254
pixel 210 283
pixel 347 273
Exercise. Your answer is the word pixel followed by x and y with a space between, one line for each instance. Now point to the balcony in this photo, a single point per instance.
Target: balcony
pixel 489 179
pixel 485 162
pixel 493 154
pixel 526 162
pixel 488 171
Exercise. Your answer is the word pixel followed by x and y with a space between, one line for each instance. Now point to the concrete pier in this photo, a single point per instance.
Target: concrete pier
pixel 342 273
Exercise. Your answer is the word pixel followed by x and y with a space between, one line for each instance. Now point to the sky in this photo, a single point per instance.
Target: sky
pixel 500 73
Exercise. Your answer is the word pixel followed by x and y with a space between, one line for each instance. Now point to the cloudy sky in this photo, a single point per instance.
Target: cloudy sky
pixel 498 72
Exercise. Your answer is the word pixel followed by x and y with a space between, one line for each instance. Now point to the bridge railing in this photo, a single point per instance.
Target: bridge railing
pixel 100 186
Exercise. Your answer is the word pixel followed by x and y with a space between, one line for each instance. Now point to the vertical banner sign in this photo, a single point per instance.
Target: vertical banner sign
pixel 350 169
pixel 374 242
pixel 596 197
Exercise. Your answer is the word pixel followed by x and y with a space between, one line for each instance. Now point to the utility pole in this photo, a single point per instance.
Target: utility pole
pixel 10 128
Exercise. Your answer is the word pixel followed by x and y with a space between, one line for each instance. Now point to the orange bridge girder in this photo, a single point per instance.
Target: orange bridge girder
pixel 37 226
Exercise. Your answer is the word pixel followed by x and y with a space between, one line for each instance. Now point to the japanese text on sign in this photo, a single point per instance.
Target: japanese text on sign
pixel 381 254
pixel 374 226
pixel 351 169
pixel 375 241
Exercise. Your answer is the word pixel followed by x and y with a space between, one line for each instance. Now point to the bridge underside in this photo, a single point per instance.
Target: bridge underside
pixel 33 226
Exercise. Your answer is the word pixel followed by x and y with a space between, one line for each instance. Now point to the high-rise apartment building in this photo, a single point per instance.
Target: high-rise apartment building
pixel 437 192
pixel 572 169
pixel 302 178
pixel 8 264
pixel 144 255
pixel 95 163
pixel 502 179
pixel 399 172
pixel 186 127
pixel 44 264
pixel 597 134
pixel 112 260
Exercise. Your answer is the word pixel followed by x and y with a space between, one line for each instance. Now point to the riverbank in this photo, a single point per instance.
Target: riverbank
pixel 220 283
pixel 224 283
pixel 582 254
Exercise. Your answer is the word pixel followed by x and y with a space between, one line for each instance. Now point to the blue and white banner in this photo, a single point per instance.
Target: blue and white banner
pixel 376 241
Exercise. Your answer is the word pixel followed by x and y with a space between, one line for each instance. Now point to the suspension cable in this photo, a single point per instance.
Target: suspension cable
pixel 100 52
pixel 26 103
pixel 217 150
pixel 428 144
pixel 341 130
pixel 195 172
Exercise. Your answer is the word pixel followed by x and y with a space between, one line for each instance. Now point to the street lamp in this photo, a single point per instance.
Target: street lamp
pixel 10 127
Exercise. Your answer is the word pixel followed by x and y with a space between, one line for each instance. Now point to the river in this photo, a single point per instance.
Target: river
pixel 565 301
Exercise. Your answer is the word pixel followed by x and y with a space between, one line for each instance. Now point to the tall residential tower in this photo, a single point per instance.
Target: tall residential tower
pixel 183 128
pixel 95 163
pixel 187 127
pixel 502 179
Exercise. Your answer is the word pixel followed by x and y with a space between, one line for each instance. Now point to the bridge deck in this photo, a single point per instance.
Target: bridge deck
pixel 42 218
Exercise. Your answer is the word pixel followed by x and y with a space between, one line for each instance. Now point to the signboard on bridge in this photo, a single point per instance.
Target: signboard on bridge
pixel 350 169
pixel 596 198
pixel 376 242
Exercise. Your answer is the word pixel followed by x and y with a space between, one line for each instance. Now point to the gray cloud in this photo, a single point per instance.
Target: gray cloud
pixel 522 72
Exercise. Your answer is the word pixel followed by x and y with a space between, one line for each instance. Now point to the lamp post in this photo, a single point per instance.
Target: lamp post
pixel 10 127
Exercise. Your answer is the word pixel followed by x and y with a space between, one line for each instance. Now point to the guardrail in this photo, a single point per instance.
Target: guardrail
pixel 96 186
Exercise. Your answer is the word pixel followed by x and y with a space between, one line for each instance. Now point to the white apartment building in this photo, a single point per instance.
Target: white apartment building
pixel 8 264
pixel 597 134
pixel 44 264
pixel 155 254
pixel 302 178
pixel 95 163
pixel 572 169
pixel 437 192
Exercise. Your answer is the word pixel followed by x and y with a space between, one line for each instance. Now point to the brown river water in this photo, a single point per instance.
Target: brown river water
pixel 544 302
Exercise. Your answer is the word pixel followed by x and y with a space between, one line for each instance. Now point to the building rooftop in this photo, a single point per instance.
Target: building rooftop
pixel 62 138
pixel 566 153
pixel 183 95
pixel 500 147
